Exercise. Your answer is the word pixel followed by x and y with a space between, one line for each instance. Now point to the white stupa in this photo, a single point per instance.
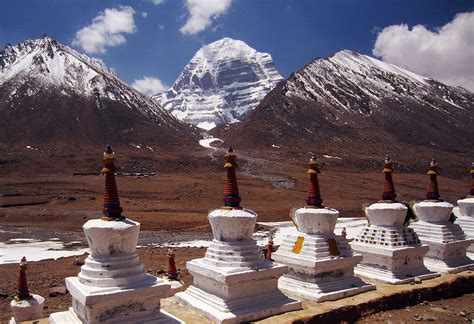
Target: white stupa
pixel 391 251
pixel 447 241
pixel 233 283
pixel 321 264
pixel 113 285
pixel 466 219
pixel 25 306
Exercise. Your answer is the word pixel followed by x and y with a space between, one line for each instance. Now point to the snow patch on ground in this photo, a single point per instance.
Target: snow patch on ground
pixel 332 157
pixel 206 142
pixel 35 250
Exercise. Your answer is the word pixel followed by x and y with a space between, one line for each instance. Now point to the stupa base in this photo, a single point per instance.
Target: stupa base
pixel 394 278
pixel 138 303
pixel 393 265
pixel 236 294
pixel 27 309
pixel 71 317
pixel 467 225
pixel 238 310
pixel 322 292
pixel 320 267
pixel 448 245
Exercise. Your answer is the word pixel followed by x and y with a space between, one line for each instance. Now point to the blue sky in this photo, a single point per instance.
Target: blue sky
pixel 294 32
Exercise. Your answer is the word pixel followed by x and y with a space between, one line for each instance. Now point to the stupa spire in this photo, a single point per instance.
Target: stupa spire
pixel 433 192
pixel 111 207
pixel 22 291
pixel 471 192
pixel 313 200
pixel 231 191
pixel 388 193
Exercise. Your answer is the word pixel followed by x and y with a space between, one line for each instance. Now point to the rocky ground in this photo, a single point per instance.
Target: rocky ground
pixel 454 310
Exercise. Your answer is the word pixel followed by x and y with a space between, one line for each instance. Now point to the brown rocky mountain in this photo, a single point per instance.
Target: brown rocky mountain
pixel 358 108
pixel 51 94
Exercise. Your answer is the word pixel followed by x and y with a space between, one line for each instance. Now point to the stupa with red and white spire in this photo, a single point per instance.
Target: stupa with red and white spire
pixel 447 241
pixel 391 251
pixel 25 306
pixel 466 218
pixel 113 285
pixel 233 282
pixel 320 263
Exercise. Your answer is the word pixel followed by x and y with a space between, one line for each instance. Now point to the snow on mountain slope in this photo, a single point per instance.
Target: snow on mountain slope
pixel 349 81
pixel 48 90
pixel 222 83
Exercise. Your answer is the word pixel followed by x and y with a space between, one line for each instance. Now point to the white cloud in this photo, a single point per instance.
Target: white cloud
pixel 106 30
pixel 149 85
pixel 161 27
pixel 144 14
pixel 445 54
pixel 157 2
pixel 202 13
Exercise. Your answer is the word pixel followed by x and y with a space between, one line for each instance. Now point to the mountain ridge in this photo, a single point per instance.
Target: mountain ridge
pixel 50 92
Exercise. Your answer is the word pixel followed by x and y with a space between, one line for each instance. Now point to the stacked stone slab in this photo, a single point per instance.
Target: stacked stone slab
pixel 391 252
pixel 447 241
pixel 25 306
pixel 113 286
pixel 321 264
pixel 466 219
pixel 233 283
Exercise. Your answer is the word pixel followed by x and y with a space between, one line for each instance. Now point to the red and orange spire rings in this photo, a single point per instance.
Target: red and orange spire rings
pixel 388 193
pixel 171 273
pixel 313 200
pixel 22 291
pixel 231 191
pixel 111 206
pixel 433 191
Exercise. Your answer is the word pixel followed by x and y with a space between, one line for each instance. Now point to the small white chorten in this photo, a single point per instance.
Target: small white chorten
pixel 233 283
pixel 391 251
pixel 321 264
pixel 25 306
pixel 446 240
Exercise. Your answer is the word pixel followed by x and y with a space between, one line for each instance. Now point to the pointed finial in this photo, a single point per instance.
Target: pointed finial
pixel 313 199
pixel 111 206
pixel 433 191
pixel 387 165
pixel 471 192
pixel 22 291
pixel 313 164
pixel 109 161
pixel 433 167
pixel 388 193
pixel 231 191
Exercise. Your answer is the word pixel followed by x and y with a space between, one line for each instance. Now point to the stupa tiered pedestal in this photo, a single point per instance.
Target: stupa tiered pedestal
pixel 30 309
pixel 391 252
pixel 447 241
pixel 466 221
pixel 113 286
pixel 320 264
pixel 233 283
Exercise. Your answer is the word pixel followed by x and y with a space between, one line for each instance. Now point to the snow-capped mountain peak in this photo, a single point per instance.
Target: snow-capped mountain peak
pixel 222 83
pixel 48 88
